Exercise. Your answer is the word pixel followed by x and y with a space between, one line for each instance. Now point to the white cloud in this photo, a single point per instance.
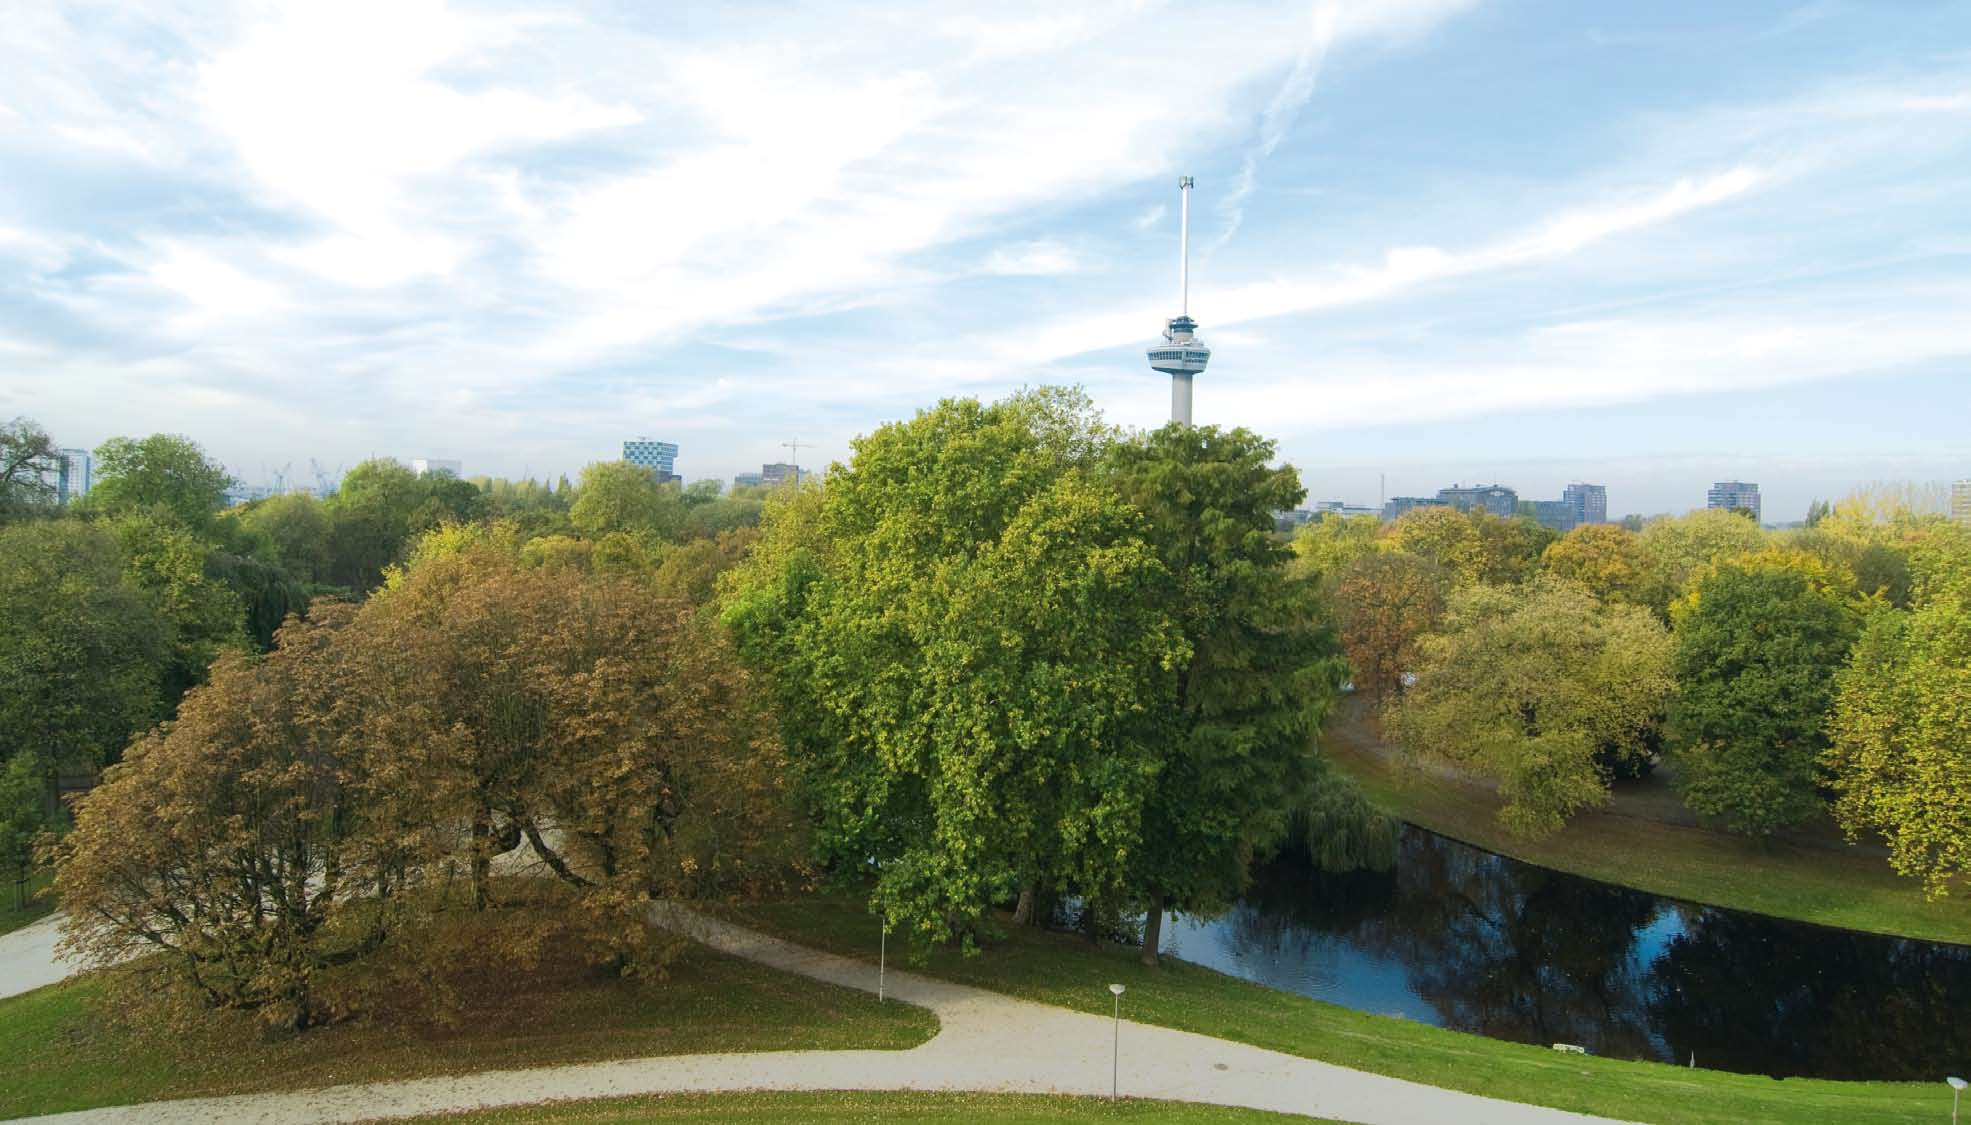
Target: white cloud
pixel 1041 257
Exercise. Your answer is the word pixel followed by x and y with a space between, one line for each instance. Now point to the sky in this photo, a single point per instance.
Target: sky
pixel 1433 241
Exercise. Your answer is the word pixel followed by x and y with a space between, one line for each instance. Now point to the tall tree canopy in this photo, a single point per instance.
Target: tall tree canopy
pixel 1607 559
pixel 1900 752
pixel 1541 687
pixel 346 794
pixel 972 644
pixel 1759 639
pixel 1472 546
pixel 83 648
pixel 163 473
pixel 618 496
pixel 1386 602
pixel 28 458
pixel 1240 757
pixel 1678 548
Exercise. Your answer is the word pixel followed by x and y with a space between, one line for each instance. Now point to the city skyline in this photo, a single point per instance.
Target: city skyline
pixel 1432 240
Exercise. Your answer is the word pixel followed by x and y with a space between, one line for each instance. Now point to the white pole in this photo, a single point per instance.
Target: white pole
pixel 882 959
pixel 1115 1048
pixel 1184 244
pixel 1115 1061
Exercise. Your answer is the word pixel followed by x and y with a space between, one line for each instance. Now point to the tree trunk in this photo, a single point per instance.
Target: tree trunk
pixel 1153 931
pixel 1023 913
pixel 482 860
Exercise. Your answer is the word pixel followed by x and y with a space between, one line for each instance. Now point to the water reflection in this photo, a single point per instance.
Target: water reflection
pixel 1461 938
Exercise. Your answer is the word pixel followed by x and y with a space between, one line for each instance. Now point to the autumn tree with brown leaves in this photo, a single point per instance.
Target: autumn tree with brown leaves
pixel 322 827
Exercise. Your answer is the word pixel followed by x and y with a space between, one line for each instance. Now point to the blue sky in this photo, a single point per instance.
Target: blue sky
pixel 1651 245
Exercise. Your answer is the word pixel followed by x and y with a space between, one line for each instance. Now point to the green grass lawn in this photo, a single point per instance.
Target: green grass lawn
pixel 1068 971
pixel 855 1106
pixel 38 904
pixel 1847 888
pixel 64 1050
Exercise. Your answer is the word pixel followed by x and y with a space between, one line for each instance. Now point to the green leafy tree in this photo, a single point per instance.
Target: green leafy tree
pixel 163 473
pixel 371 518
pixel 1900 731
pixel 969 643
pixel 82 648
pixel 1323 547
pixel 28 458
pixel 1542 687
pixel 206 615
pixel 1759 639
pixel 1607 559
pixel 1678 548
pixel 24 815
pixel 1472 546
pixel 292 532
pixel 1240 746
pixel 618 496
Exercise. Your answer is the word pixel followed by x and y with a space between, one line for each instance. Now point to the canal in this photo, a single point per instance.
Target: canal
pixel 1461 938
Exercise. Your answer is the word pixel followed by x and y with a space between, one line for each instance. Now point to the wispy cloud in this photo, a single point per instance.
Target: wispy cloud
pixel 1279 116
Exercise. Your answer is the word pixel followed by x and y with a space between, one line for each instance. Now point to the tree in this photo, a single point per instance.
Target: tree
pixel 1678 548
pixel 1323 547
pixel 1900 736
pixel 968 641
pixel 161 473
pixel 206 616
pixel 1240 746
pixel 620 496
pixel 293 532
pixel 1540 687
pixel 1759 639
pixel 1386 603
pixel 234 842
pixel 82 649
pixel 296 842
pixel 371 522
pixel 1472 546
pixel 1607 559
pixel 23 816
pixel 27 456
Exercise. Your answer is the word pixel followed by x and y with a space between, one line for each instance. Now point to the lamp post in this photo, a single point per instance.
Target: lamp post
pixel 1115 1052
pixel 882 959
pixel 1957 1086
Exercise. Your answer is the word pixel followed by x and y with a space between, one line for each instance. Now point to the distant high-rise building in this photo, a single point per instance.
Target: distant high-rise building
pixel 661 456
pixel 431 466
pixel 748 480
pixel 1494 498
pixel 1960 501
pixel 1560 515
pixel 1589 501
pixel 1394 507
pixel 1735 494
pixel 74 475
pixel 780 472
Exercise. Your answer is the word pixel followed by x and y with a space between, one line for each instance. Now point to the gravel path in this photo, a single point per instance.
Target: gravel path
pixel 27 957
pixel 987 1042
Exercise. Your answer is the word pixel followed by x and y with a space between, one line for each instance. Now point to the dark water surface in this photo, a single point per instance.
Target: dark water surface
pixel 1461 938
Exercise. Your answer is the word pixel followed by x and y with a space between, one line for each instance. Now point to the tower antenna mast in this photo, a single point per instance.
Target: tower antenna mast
pixel 1181 355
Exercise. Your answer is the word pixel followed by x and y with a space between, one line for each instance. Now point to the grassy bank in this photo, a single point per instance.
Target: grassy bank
pixel 1067 971
pixel 38 905
pixel 65 1049
pixel 904 1107
pixel 1830 886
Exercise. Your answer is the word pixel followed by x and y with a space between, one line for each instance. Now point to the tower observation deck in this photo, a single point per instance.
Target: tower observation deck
pixel 1181 355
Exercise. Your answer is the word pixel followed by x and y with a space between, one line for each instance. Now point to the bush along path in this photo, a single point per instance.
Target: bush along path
pixel 987 1042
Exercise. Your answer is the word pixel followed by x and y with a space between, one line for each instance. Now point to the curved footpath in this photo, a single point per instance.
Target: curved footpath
pixel 987 1042
pixel 27 957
